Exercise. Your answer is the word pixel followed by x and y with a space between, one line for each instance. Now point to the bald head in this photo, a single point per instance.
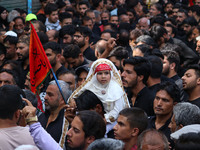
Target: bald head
pixel 100 47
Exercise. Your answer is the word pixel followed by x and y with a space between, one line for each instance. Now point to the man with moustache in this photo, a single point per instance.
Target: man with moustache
pixel 191 84
pixel 53 118
pixel 167 96
pixel 135 75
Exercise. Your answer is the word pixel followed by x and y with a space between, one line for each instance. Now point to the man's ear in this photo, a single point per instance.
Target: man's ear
pixel 98 108
pixel 90 139
pixel 135 132
pixel 140 77
pixel 172 66
pixel 198 81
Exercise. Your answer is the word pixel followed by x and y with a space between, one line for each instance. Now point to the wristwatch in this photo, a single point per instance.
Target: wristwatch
pixel 32 119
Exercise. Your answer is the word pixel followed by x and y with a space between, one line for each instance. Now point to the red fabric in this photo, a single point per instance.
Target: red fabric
pixel 39 104
pixel 102 67
pixel 38 61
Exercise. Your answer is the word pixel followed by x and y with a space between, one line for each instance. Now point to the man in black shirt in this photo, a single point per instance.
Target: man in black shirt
pixel 167 96
pixel 191 84
pixel 135 75
pixel 53 118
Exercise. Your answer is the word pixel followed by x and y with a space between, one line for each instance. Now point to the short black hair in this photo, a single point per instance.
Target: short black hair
pixel 68 29
pixel 64 15
pixel 171 88
pixel 49 8
pixel 10 101
pixel 71 50
pixel 85 31
pixel 14 74
pixel 157 32
pixel 93 124
pixel 11 39
pixel 84 2
pixel 156 66
pixel 136 117
pixel 196 67
pixel 142 66
pixel 55 47
pixel 87 101
pixel 19 17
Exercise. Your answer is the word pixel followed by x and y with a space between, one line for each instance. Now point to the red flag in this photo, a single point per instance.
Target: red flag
pixel 38 61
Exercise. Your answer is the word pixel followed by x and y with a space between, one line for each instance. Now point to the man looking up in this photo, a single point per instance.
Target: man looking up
pixel 191 84
pixel 130 123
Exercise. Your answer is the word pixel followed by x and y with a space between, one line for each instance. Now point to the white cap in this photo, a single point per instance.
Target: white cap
pixel 198 38
pixel 11 33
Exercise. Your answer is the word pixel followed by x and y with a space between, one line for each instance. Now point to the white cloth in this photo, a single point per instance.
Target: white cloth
pixel 194 128
pixel 114 99
pixel 52 26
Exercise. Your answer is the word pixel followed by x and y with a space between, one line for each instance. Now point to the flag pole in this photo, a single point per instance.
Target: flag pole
pixel 58 85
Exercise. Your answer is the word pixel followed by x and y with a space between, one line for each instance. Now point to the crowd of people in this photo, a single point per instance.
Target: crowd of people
pixel 128 72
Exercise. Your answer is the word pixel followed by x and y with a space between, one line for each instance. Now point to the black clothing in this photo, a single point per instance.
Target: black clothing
pixel 144 100
pixel 164 129
pixel 89 54
pixel 195 102
pixel 54 128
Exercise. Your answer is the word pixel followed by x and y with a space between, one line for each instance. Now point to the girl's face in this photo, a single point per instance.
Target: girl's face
pixel 103 76
pixel 4 14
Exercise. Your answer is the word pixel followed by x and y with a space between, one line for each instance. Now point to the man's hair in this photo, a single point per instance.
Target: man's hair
pixel 11 39
pixel 171 89
pixel 157 32
pixel 68 29
pixel 158 7
pixel 181 10
pixel 55 47
pixel 106 144
pixel 142 66
pixel 19 17
pixel 144 48
pixel 86 19
pixel 24 39
pixel 42 27
pixel 85 31
pixel 14 74
pixel 49 8
pixel 10 101
pixel 156 66
pixel 31 97
pixel 119 52
pixel 64 15
pixel 84 2
pixel 93 124
pixel 173 28
pixel 71 50
pixel 195 8
pixel 158 20
pixel 152 141
pixel 64 87
pixel 136 117
pixel 146 39
pixel 186 114
pixel 112 33
pixel 2 49
pixel 87 101
pixel 190 21
pixel 196 67
pixel 172 57
pixel 189 141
